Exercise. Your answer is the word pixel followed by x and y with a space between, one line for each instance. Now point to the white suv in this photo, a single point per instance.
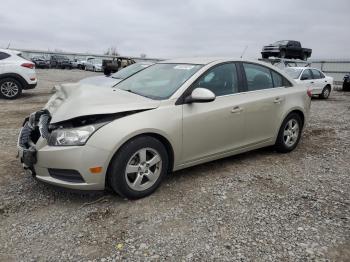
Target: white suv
pixel 16 74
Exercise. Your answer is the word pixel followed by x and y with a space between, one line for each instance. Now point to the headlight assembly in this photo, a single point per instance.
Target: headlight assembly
pixel 72 136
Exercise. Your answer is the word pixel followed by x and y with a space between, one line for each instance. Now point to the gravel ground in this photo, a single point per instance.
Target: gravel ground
pixel 258 206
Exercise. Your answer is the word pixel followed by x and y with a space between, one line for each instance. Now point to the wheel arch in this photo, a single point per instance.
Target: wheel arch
pixel 168 146
pixel 328 85
pixel 296 110
pixel 14 76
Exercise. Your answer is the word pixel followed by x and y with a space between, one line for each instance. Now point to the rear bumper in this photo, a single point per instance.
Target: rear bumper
pixel 30 86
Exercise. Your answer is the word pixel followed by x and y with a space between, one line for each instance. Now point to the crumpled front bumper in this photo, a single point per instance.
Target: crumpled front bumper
pixel 65 166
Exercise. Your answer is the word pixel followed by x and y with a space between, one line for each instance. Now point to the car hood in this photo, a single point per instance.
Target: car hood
pixel 100 81
pixel 76 100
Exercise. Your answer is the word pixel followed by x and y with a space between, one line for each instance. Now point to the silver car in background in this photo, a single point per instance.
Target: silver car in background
pixel 94 64
pixel 172 115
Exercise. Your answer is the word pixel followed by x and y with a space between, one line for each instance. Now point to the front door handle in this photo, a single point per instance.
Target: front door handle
pixel 236 109
pixel 278 100
pixel 312 82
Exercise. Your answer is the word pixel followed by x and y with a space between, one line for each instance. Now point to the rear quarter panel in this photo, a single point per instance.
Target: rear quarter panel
pixel 296 99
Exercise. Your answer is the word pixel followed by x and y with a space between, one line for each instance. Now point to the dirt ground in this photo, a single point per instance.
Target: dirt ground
pixel 258 206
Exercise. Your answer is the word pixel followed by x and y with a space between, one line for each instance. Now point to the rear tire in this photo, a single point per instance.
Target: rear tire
pixel 325 92
pixel 132 173
pixel 10 88
pixel 289 133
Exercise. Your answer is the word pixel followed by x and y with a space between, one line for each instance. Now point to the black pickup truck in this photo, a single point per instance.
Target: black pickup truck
pixel 286 49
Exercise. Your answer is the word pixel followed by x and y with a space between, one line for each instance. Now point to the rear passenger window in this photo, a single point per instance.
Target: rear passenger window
pixel 277 79
pixel 221 80
pixel 258 77
pixel 316 73
pixel 3 55
pixel 306 75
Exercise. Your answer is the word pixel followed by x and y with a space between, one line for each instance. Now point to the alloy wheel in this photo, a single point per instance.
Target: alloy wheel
pixel 143 169
pixel 9 89
pixel 291 133
pixel 326 93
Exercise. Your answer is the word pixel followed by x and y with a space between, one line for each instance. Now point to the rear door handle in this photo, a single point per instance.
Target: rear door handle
pixel 278 100
pixel 312 82
pixel 237 109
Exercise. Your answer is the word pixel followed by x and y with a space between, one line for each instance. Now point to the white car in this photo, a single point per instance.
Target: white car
pixel 318 82
pixel 94 65
pixel 16 74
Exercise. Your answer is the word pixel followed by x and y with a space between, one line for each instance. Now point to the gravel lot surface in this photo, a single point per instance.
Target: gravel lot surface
pixel 258 206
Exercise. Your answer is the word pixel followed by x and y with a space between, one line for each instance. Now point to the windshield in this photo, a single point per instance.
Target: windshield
pixel 293 72
pixel 159 81
pixel 130 70
pixel 282 42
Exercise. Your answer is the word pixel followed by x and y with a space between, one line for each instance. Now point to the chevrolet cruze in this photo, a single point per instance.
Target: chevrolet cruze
pixel 171 115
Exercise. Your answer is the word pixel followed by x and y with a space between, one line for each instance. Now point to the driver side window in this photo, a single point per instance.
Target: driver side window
pixel 221 80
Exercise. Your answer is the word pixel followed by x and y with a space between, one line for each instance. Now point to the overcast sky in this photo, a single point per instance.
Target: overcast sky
pixel 174 28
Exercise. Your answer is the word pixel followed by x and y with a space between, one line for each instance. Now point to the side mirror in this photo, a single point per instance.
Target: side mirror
pixel 304 78
pixel 200 95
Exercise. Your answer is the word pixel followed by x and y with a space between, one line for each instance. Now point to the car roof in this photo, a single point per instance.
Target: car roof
pixel 191 60
pixel 10 51
pixel 209 60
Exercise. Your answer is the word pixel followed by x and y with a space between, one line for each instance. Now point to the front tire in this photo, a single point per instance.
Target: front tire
pixel 289 133
pixel 138 167
pixel 10 88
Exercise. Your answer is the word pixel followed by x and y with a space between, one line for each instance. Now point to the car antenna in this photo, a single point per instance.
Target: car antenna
pixel 8 46
pixel 245 49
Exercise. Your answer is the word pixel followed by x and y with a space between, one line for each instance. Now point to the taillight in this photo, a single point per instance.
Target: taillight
pixel 309 93
pixel 28 65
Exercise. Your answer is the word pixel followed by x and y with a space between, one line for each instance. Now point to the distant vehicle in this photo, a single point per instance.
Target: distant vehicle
pixel 93 65
pixel 60 61
pixel 82 62
pixel 346 83
pixel 115 78
pixel 112 66
pixel 172 115
pixel 78 63
pixel 286 49
pixel 16 74
pixel 40 62
pixel 319 83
